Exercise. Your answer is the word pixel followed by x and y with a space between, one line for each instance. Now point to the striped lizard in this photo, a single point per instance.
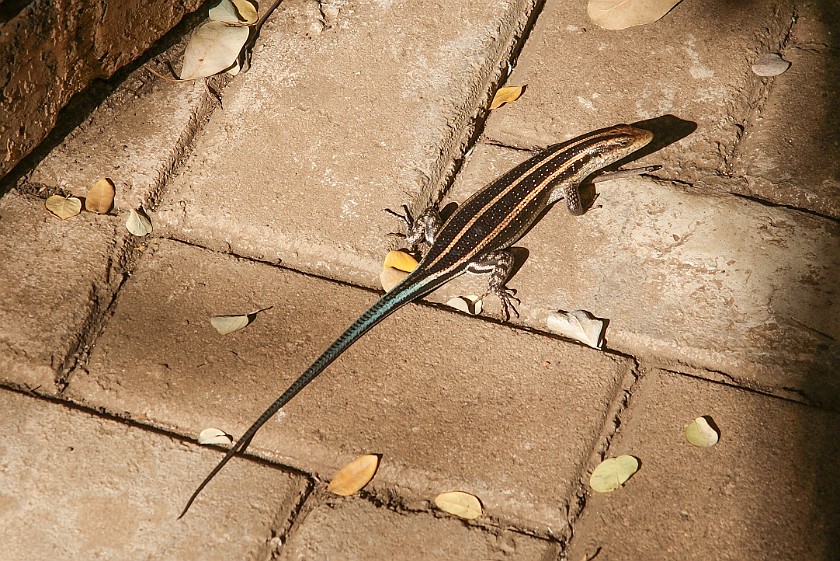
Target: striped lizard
pixel 475 238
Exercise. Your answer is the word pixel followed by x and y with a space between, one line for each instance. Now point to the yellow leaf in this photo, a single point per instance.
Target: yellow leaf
pixel 400 260
pixel 354 475
pixel 702 433
pixel 63 207
pixel 100 197
pixel 611 474
pixel 246 10
pixel 391 277
pixel 621 14
pixel 138 222
pixel 506 94
pixel 460 504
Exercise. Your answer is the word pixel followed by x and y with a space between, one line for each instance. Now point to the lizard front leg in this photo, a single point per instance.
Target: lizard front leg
pixel 499 264
pixel 424 228
pixel 570 191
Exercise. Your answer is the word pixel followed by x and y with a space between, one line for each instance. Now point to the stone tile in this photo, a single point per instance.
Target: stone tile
pixel 345 111
pixel 791 153
pixel 55 276
pixel 765 491
pixel 76 486
pixel 136 137
pixel 451 402
pixel 688 277
pixel 694 63
pixel 816 24
pixel 355 529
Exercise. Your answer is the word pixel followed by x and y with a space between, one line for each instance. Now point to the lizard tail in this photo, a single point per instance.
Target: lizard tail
pixel 412 287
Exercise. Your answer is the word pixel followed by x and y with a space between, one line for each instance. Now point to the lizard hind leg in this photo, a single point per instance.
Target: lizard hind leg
pixel 499 264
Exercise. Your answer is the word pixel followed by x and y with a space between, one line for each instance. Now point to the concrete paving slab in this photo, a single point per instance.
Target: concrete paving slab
pixel 451 402
pixel 352 528
pixel 136 137
pixel 694 63
pixel 689 277
pixel 765 491
pixel 55 276
pixel 317 139
pixel 791 154
pixel 77 486
pixel 816 24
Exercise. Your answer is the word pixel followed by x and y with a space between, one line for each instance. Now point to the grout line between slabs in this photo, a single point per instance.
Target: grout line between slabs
pixel 759 96
pixel 612 424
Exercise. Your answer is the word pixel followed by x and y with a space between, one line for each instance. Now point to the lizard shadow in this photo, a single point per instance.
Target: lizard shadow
pixel 666 130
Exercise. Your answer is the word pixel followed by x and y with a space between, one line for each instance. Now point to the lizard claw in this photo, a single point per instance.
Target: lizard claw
pixel 405 216
pixel 507 296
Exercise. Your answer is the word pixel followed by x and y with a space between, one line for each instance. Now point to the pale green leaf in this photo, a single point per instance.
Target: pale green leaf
pixel 229 324
pixel 702 433
pixel 138 223
pixel 612 473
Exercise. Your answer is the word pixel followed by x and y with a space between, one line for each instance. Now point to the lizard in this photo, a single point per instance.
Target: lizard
pixel 475 238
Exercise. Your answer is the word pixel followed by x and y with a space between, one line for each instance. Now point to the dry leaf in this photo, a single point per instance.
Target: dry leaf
pixel 621 14
pixel 100 197
pixel 506 94
pixel 702 433
pixel 460 504
pixel 235 12
pixel 354 475
pixel 400 260
pixel 391 277
pixel 208 437
pixel 229 324
pixel 770 64
pixel 235 322
pixel 247 11
pixel 467 304
pixel 138 222
pixel 213 48
pixel 611 474
pixel 63 207
pixel 579 325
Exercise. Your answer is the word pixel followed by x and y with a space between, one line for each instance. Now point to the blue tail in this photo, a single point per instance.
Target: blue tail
pixel 415 285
